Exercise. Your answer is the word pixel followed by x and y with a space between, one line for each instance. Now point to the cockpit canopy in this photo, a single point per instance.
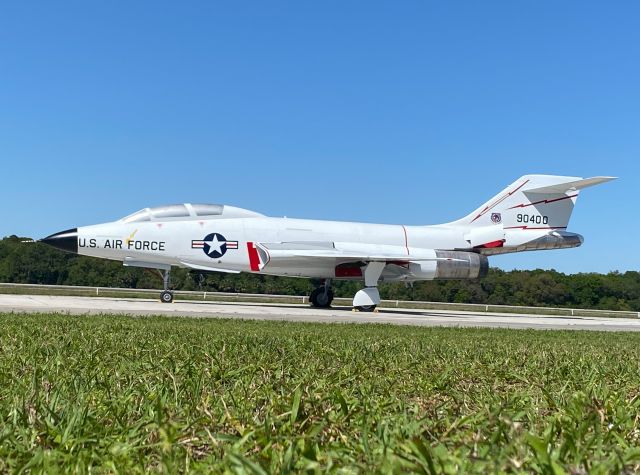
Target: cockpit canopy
pixel 188 211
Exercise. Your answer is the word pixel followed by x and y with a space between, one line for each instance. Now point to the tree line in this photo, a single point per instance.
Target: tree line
pixel 35 263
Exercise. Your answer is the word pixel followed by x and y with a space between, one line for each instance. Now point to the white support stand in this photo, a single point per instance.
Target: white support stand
pixel 369 296
pixel 366 297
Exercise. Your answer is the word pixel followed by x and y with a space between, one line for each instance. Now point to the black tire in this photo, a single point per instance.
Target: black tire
pixel 366 308
pixel 166 297
pixel 321 299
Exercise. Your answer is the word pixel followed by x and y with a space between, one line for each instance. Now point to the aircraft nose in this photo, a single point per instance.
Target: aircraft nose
pixel 64 240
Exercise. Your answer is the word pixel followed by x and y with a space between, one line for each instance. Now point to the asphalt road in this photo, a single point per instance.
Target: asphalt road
pixel 303 313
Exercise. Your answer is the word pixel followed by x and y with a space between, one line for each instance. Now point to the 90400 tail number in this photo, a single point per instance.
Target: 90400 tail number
pixel 532 219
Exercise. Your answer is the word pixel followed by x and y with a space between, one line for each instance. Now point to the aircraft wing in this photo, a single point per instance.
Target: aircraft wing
pixel 346 252
pixel 355 256
pixel 194 266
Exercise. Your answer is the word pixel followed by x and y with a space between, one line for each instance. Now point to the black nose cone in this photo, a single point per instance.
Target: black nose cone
pixel 64 240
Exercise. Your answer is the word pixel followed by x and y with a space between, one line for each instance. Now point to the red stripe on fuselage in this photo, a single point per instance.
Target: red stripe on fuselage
pixel 254 259
pixel 406 240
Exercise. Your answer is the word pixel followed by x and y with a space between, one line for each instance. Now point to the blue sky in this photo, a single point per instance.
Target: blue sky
pixel 395 112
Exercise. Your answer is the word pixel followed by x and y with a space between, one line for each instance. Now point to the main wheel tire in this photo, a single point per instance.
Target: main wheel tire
pixel 321 299
pixel 166 297
pixel 366 308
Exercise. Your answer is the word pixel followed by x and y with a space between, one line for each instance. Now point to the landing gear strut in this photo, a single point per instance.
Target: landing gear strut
pixel 367 299
pixel 322 296
pixel 166 296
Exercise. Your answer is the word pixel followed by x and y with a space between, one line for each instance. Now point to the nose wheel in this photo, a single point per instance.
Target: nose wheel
pixel 166 296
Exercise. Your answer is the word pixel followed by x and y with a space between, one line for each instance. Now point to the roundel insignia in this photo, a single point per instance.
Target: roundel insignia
pixel 496 218
pixel 214 245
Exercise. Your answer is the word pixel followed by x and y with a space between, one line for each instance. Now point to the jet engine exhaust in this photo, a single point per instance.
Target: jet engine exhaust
pixel 451 265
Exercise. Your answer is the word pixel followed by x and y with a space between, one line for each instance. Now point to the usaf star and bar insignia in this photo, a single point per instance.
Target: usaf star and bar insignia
pixel 214 245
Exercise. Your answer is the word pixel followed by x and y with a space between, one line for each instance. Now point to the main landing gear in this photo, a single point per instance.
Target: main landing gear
pixel 321 297
pixel 166 296
pixel 365 300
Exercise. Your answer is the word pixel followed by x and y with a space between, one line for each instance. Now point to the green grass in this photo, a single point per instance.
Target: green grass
pixel 110 394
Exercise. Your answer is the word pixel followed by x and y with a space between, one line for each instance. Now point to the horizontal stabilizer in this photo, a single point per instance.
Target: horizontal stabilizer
pixel 570 185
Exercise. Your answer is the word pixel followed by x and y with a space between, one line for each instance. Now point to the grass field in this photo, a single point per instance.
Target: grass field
pixel 109 394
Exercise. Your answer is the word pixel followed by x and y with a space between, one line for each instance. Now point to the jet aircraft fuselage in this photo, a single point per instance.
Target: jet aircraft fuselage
pixel 530 214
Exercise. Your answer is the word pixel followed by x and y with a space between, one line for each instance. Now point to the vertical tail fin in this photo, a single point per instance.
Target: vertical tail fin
pixel 531 213
pixel 531 202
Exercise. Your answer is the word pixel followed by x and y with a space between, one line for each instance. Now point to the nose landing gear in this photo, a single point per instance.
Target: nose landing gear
pixel 166 296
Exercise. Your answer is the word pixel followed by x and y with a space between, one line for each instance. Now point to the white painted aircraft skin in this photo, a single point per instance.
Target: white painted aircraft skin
pixel 178 237
pixel 530 214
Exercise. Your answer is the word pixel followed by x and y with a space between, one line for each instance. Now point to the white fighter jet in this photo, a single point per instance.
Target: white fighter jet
pixel 531 214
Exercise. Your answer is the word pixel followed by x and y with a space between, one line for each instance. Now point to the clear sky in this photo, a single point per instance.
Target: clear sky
pixel 391 112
